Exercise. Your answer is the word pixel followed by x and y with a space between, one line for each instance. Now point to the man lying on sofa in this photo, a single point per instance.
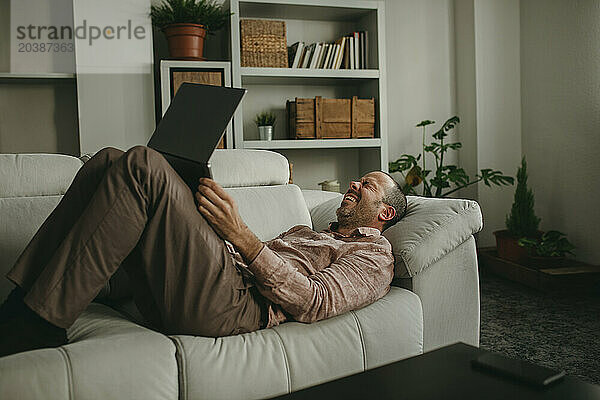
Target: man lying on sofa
pixel 194 266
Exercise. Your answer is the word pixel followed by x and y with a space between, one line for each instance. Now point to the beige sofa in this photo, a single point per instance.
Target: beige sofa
pixel 111 355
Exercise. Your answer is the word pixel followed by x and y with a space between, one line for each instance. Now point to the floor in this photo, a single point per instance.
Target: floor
pixel 557 331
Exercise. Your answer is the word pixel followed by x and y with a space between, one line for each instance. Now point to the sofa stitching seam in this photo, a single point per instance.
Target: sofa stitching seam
pixel 362 339
pixel 63 352
pixel 285 359
pixel 181 366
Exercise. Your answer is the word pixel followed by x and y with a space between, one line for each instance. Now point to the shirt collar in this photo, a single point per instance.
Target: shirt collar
pixel 360 231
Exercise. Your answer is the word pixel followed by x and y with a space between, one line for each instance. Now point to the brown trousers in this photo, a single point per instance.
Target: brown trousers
pixel 133 210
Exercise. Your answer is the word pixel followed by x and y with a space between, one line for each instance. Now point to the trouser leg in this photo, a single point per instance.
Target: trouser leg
pixel 142 208
pixel 55 228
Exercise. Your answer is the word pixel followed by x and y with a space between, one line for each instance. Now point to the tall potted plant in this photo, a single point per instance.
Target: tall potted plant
pixel 185 23
pixel 520 223
pixel 441 180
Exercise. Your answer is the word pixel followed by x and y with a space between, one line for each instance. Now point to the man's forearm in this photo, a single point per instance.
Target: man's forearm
pixel 248 245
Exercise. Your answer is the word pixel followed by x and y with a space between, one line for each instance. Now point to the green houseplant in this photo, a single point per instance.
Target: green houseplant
pixel 185 23
pixel 442 180
pixel 549 250
pixel 521 222
pixel 265 122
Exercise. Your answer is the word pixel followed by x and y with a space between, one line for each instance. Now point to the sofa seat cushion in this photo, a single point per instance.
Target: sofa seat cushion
pixel 293 355
pixel 107 357
pixel 271 210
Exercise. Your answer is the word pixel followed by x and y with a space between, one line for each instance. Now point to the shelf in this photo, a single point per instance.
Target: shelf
pixel 54 75
pixel 295 76
pixel 334 10
pixel 311 143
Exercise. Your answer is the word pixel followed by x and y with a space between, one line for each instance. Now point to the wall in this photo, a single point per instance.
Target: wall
pixel 560 69
pixel 420 71
pixel 35 115
pixel 498 99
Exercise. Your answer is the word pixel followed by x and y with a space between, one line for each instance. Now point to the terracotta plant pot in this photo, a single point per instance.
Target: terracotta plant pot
pixel 509 249
pixel 186 41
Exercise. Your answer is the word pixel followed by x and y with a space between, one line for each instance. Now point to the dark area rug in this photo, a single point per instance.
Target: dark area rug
pixel 559 331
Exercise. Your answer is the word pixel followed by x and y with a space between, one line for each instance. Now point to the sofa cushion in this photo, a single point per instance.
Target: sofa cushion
pixel 292 356
pixel 430 229
pixel 108 357
pixel 271 210
pixel 234 168
pixel 36 174
pixel 324 213
pixel 314 198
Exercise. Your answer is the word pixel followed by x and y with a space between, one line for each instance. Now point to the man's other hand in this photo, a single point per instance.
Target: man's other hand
pixel 221 212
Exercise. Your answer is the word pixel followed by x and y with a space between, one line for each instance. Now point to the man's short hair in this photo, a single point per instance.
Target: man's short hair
pixel 395 198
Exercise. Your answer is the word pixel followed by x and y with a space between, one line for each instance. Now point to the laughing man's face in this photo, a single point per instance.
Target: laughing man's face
pixel 363 200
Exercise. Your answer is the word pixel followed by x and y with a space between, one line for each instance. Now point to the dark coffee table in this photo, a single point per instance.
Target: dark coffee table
pixel 444 373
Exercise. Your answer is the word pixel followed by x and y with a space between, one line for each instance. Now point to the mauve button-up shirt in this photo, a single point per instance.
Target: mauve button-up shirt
pixel 310 276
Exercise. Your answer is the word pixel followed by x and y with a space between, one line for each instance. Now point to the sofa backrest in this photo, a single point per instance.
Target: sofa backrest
pixel 31 185
pixel 257 180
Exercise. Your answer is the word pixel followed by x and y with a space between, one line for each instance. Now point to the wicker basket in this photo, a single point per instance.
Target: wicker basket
pixel 264 43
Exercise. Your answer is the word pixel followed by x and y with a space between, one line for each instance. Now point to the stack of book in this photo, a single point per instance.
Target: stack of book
pixel 348 52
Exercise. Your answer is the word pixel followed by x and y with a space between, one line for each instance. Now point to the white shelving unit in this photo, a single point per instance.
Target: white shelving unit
pixel 10 75
pixel 269 88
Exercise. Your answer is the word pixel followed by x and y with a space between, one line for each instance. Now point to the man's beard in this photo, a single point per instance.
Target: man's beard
pixel 362 214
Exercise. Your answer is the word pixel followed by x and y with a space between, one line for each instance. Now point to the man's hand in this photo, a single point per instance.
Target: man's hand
pixel 221 212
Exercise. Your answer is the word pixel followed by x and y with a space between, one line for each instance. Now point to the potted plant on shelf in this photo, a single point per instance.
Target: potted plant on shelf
pixel 549 250
pixel 265 122
pixel 520 223
pixel 185 23
pixel 444 179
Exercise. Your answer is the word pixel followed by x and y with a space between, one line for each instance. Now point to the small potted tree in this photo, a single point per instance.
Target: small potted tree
pixel 265 121
pixel 520 223
pixel 185 23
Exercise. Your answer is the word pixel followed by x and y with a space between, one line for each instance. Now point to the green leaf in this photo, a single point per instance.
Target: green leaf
pixel 204 12
pixel 447 126
pixel 458 176
pixel 425 123
pixel 404 163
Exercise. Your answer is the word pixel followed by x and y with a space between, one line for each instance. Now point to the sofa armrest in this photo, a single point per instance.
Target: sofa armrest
pixel 449 293
pixel 431 229
pixel 435 257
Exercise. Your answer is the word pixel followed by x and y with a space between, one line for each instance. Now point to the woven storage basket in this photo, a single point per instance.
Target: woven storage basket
pixel 264 43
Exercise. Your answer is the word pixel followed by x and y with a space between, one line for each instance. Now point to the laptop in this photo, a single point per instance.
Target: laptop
pixel 193 125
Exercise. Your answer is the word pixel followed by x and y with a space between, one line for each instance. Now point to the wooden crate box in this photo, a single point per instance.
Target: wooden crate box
pixel 321 118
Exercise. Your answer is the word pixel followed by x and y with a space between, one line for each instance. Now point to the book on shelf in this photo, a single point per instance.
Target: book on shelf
pixel 351 53
pixel 347 52
pixel 322 55
pixel 307 58
pixel 315 56
pixel 346 58
pixel 294 53
pixel 356 50
pixel 366 49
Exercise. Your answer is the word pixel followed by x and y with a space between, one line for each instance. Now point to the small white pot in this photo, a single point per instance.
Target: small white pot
pixel 265 132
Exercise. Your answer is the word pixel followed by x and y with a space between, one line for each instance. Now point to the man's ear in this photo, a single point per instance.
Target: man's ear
pixel 387 213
